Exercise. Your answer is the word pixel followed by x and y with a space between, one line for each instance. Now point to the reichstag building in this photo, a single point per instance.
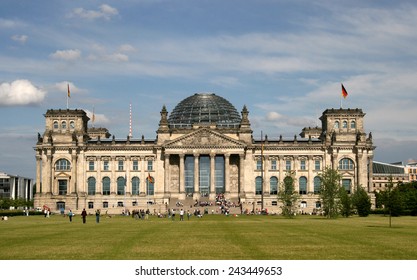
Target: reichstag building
pixel 204 149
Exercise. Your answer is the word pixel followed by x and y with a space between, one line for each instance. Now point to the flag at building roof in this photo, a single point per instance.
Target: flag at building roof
pixel 69 93
pixel 344 92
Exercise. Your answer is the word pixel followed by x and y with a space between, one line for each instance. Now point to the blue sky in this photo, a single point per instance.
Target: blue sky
pixel 284 60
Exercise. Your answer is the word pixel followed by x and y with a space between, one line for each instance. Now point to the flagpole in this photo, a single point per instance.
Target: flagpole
pixel 68 96
pixel 341 95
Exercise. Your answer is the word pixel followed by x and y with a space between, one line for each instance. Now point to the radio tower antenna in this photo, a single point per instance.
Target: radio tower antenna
pixel 130 120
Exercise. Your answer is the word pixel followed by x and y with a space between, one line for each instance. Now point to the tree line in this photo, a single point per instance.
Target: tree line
pixel 7 203
pixel 397 199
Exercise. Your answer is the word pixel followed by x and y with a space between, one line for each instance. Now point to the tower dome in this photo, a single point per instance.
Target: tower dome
pixel 204 108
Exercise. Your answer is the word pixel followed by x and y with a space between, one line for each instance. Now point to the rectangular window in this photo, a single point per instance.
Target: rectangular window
pixel 106 165
pixel 62 187
pixel 91 165
pixel 288 165
pixel 303 165
pixel 258 164
pixel 135 165
pixel 317 165
pixel 105 204
pixel 120 165
pixel 346 184
pixel 90 205
pixel 150 165
pixel 273 164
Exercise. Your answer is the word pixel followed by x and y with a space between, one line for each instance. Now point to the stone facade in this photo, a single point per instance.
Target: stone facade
pixel 194 162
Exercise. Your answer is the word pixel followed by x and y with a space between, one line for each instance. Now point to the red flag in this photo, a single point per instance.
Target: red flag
pixel 344 92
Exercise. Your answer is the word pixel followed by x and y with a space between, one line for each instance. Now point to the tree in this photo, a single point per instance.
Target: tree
pixel 361 202
pixel 345 203
pixel 330 192
pixel 288 196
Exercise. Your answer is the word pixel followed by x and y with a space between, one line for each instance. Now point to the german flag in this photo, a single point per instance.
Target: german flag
pixel 69 93
pixel 150 179
pixel 344 92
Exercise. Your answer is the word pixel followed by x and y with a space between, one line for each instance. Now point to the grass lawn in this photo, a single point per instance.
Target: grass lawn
pixel 212 237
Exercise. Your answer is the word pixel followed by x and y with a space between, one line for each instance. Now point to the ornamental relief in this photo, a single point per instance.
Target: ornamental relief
pixel 202 139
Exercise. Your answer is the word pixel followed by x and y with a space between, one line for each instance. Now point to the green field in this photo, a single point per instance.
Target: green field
pixel 212 237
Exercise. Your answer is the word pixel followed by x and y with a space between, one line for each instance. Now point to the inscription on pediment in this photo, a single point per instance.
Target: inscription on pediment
pixel 204 138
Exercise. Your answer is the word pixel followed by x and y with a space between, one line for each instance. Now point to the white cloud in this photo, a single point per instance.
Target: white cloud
pixel 7 23
pixel 20 38
pixel 105 11
pixel 66 54
pixel 20 93
pixel 127 48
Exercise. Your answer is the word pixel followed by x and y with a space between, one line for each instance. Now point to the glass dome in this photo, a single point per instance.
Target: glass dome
pixel 204 108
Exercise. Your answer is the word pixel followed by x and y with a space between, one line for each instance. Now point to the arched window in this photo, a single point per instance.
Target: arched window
pixel 91 181
pixel 336 124
pixel 56 126
pixel 150 182
pixel 62 165
pixel 273 185
pixel 352 124
pixel 317 183
pixel 258 185
pixel 106 186
pixel 135 186
pixel 302 184
pixel 346 164
pixel 121 186
pixel 64 125
pixel 344 125
pixel 72 124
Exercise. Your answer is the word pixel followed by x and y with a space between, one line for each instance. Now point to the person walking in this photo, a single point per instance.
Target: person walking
pixel 98 216
pixel 173 214
pixel 70 214
pixel 84 215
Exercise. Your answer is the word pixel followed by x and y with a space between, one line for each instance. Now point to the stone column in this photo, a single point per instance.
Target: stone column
pixel 49 173
pixel 227 173
pixel 370 175
pixel 241 172
pixel 166 174
pixel 266 180
pixel 196 173
pixel 143 175
pixel 182 175
pixel 310 179
pixel 99 181
pixel 126 167
pixel 73 178
pixel 38 174
pixel 212 175
pixel 281 167
pixel 113 179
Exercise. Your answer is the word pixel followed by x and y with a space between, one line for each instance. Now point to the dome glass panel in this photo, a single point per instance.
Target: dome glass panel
pixel 204 108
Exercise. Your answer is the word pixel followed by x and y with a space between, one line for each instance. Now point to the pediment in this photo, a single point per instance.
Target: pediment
pixel 204 138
